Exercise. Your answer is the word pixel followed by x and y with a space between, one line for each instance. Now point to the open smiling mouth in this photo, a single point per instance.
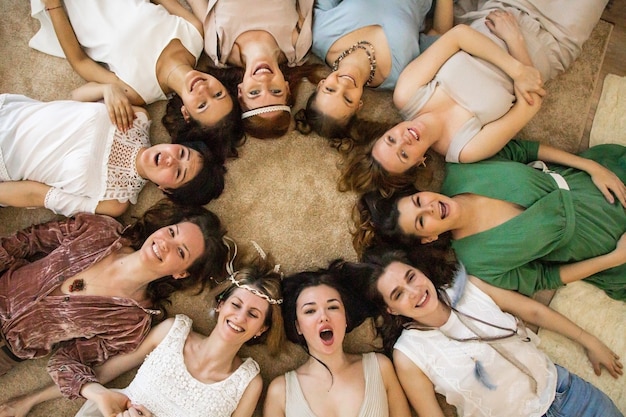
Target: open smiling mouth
pixel 234 326
pixel 422 300
pixel 327 336
pixel 414 134
pixel 443 210
pixel 157 252
pixel 262 69
pixel 349 77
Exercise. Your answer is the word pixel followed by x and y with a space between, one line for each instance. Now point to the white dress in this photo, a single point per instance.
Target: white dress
pixel 126 35
pixel 165 387
pixel 72 147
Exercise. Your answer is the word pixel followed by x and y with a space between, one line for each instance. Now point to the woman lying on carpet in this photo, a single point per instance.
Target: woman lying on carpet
pixel 197 375
pixel 460 337
pixel 150 52
pixel 87 289
pixel 318 312
pixel 462 107
pixel 68 157
pixel 260 40
pixel 515 226
pixel 367 44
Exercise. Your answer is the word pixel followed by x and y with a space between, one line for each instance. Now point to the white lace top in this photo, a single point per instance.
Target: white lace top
pixel 72 147
pixel 166 388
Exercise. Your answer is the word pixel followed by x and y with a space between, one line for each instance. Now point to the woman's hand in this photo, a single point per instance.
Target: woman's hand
pixel 600 355
pixel 527 81
pixel 119 107
pixel 111 403
pixel 16 407
pixel 608 183
pixel 504 25
pixel 134 411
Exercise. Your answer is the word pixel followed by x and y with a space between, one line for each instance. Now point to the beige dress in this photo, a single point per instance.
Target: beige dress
pixel 226 20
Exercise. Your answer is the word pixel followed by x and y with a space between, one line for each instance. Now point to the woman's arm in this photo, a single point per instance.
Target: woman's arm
pixel 461 37
pixel 543 316
pixel 398 405
pixel 21 406
pixel 580 270
pixel 177 9
pixel 418 388
pixel 443 17
pixel 250 398
pixel 606 181
pixel 33 194
pixel 495 135
pixel 275 400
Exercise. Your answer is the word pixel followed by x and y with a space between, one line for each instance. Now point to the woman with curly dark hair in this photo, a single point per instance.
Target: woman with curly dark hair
pixel 86 288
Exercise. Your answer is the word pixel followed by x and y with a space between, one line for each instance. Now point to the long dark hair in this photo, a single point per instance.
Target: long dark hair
pixel 438 265
pixel 375 219
pixel 210 264
pixel 208 184
pixel 228 132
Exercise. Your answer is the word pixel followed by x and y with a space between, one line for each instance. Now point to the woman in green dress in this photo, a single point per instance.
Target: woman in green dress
pixel 515 226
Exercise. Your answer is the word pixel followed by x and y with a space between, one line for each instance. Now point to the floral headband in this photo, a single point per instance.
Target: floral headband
pixel 232 273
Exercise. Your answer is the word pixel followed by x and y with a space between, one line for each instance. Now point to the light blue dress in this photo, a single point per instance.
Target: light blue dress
pixel 401 20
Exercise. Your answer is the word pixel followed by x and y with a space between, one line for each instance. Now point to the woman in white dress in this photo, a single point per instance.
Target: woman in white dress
pixel 185 373
pixel 149 52
pixel 68 157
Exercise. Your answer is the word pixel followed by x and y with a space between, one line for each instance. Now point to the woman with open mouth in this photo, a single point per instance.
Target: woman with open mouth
pixel 268 42
pixel 86 289
pixel 318 311
pixel 516 226
pixel 66 156
pixel 456 335
pixel 149 52
pixel 367 44
pixel 465 96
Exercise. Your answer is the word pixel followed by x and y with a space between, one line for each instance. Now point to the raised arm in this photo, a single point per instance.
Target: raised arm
pixel 536 313
pixel 495 135
pixel 177 9
pixel 606 181
pixel 461 37
pixel 398 405
pixel 417 387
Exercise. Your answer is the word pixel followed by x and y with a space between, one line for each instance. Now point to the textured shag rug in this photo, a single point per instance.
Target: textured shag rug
pixel 281 193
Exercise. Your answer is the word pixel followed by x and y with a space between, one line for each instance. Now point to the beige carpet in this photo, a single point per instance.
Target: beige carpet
pixel 281 193
pixel 609 122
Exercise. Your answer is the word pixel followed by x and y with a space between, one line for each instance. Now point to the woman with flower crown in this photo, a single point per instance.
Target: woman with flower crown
pixel 185 373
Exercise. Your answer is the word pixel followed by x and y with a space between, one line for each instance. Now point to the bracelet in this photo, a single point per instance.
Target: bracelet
pixel 52 8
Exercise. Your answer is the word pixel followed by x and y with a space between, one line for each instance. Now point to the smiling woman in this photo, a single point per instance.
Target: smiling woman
pixel 164 41
pixel 66 156
pixel 93 290
pixel 261 43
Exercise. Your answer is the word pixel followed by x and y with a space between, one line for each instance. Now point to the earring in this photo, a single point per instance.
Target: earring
pixel 423 163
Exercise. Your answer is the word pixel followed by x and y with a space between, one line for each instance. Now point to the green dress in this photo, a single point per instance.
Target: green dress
pixel 557 226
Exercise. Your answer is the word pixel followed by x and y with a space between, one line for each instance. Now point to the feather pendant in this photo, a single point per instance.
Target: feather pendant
pixel 481 375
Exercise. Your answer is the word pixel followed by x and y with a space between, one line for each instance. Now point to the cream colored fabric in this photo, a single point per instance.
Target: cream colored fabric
pixel 609 122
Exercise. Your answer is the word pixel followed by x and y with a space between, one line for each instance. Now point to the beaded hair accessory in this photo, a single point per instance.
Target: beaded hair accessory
pixel 265 109
pixel 232 273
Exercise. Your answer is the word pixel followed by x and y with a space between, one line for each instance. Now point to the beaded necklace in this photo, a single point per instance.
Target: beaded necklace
pixel 370 55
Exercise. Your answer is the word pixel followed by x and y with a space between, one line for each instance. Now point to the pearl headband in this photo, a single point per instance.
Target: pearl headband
pixel 265 109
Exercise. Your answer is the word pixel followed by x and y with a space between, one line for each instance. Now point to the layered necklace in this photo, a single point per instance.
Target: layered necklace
pixel 371 55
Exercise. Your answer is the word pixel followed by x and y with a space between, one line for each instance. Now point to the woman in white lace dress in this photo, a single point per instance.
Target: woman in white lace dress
pixel 68 157
pixel 188 374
